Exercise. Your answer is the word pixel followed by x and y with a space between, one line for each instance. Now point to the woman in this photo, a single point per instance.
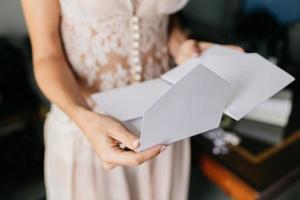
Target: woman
pixel 85 46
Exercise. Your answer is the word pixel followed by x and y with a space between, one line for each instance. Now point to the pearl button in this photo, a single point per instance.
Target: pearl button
pixel 138 68
pixel 136 44
pixel 136 27
pixel 137 77
pixel 135 19
pixel 136 36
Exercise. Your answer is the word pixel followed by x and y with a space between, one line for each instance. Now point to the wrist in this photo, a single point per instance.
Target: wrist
pixel 78 112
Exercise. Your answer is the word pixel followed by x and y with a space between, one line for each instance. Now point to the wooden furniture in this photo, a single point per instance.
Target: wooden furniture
pixel 245 175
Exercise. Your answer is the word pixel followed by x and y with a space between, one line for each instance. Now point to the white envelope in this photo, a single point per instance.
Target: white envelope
pixel 191 98
pixel 253 79
pixel 164 113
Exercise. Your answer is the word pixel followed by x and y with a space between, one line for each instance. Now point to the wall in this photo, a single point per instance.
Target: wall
pixel 11 18
pixel 219 14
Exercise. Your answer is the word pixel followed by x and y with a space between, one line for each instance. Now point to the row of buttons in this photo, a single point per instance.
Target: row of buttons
pixel 137 67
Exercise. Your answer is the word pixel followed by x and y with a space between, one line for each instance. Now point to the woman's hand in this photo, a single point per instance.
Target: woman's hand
pixel 192 48
pixel 205 45
pixel 187 50
pixel 106 134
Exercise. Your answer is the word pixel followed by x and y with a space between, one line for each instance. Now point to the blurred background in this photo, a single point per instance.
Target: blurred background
pixel 259 160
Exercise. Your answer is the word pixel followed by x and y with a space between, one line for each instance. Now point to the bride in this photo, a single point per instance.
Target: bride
pixel 85 46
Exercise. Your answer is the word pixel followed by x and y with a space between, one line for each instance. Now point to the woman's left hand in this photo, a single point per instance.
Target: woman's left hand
pixel 192 48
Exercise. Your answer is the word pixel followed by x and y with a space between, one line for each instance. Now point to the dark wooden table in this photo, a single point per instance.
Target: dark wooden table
pixel 245 175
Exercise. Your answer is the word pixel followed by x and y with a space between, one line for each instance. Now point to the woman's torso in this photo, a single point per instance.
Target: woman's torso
pixel 111 43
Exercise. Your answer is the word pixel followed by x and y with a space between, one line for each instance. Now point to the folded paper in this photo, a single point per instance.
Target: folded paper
pixel 191 98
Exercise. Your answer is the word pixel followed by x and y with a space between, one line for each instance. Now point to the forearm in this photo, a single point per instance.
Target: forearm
pixel 53 75
pixel 58 83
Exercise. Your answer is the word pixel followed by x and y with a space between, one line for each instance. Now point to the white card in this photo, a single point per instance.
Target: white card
pixel 191 98
pixel 253 79
pixel 165 113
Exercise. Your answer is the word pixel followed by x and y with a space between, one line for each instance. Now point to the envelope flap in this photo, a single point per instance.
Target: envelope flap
pixel 193 105
pixel 253 78
pixel 130 102
pixel 180 71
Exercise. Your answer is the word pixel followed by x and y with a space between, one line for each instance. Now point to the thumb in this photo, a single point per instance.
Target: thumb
pixel 195 50
pixel 127 138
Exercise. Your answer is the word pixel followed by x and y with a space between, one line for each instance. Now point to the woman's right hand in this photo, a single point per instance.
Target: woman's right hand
pixel 106 134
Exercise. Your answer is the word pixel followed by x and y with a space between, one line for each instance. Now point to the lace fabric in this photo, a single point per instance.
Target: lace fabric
pixel 100 48
pixel 106 43
pixel 100 52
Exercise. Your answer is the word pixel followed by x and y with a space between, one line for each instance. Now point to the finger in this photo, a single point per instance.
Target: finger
pixel 237 48
pixel 133 158
pixel 204 45
pixel 195 49
pixel 127 138
pixel 191 48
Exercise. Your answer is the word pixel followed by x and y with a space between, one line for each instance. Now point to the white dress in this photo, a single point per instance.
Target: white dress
pixel 112 43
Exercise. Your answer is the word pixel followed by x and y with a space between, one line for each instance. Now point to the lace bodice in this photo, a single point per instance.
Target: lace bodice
pixel 111 43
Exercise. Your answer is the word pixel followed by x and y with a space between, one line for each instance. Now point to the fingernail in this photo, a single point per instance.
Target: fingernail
pixel 162 148
pixel 136 143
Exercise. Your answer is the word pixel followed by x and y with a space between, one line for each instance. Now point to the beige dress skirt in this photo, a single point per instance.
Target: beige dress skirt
pixel 74 172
